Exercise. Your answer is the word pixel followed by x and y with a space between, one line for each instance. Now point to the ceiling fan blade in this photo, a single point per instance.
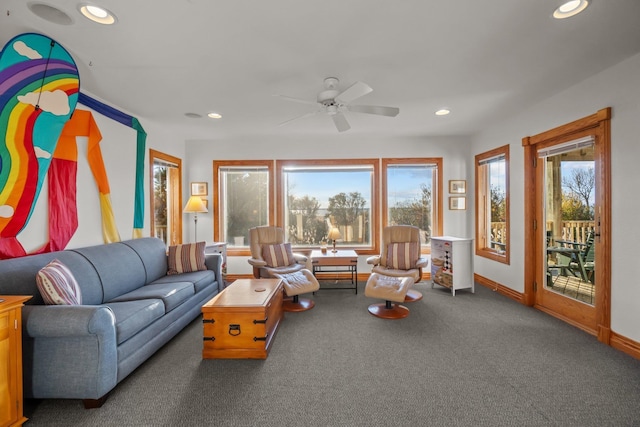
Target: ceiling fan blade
pixel 374 109
pixel 298 117
pixel 341 122
pixel 354 91
pixel 302 101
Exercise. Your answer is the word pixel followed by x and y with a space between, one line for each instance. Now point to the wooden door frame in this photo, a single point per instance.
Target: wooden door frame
pixel 598 124
pixel 176 216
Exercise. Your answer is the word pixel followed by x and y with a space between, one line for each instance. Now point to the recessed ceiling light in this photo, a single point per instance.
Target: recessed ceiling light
pixel 214 115
pixel 570 8
pixel 97 14
pixel 50 13
pixel 443 112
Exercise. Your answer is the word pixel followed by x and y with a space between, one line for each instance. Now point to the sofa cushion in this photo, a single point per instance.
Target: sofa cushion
pixel 119 267
pixel 57 285
pixel 278 255
pixel 134 316
pixel 200 279
pixel 153 253
pixel 402 256
pixel 171 294
pixel 186 258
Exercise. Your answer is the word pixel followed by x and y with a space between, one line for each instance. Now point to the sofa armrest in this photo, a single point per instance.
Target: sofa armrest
pixel 70 351
pixel 68 320
pixel 214 263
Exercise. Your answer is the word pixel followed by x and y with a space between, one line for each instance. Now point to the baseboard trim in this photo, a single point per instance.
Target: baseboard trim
pixel 624 344
pixel 501 289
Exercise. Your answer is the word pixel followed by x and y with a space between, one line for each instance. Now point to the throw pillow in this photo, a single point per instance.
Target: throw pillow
pixel 278 255
pixel 186 258
pixel 57 285
pixel 402 256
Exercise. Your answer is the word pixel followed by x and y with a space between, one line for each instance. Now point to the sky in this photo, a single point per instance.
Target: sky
pixel 403 184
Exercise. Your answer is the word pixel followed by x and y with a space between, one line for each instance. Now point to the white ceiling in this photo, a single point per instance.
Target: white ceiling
pixel 484 60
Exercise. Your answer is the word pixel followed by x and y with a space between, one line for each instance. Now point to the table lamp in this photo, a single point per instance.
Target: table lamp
pixel 334 234
pixel 194 205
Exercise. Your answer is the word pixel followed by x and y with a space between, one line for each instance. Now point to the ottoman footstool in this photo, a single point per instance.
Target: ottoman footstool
pixel 296 283
pixel 391 289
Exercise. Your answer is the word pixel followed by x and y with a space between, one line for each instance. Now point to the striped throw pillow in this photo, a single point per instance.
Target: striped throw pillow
pixel 278 255
pixel 57 285
pixel 186 258
pixel 402 256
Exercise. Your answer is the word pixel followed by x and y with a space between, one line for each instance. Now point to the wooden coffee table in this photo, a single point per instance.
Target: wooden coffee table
pixel 242 320
pixel 342 261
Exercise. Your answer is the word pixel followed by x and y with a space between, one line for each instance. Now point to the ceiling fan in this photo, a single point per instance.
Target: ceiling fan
pixel 335 102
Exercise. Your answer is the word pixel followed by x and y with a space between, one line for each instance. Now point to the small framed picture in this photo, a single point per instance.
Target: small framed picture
pixel 457 203
pixel 457 186
pixel 199 189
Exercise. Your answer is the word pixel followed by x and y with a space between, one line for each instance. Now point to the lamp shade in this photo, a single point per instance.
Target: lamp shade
pixel 334 233
pixel 195 204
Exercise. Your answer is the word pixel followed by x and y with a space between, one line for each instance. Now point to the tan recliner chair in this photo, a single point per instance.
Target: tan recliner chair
pixel 401 234
pixel 283 264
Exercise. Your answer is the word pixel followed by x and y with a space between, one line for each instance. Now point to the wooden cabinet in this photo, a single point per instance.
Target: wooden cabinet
pixel 11 360
pixel 452 263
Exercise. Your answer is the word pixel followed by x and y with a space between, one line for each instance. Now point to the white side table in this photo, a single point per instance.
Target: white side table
pixel 218 248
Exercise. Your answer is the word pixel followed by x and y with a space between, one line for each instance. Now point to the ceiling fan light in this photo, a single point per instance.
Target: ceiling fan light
pixel 570 8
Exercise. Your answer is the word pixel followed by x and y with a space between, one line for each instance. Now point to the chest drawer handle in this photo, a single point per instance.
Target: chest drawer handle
pixel 261 338
pixel 255 322
pixel 234 330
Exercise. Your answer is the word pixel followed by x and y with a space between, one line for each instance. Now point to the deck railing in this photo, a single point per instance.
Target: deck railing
pixel 575 231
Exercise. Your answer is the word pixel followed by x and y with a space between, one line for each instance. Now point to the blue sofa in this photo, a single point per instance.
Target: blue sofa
pixel 130 308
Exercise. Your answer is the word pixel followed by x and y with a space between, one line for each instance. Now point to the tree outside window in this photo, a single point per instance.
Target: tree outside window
pixel 412 195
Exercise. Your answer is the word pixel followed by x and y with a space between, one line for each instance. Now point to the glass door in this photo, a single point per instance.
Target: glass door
pixel 569 211
pixel 567 238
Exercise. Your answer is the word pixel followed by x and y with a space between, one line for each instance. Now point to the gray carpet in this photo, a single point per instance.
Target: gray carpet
pixel 470 360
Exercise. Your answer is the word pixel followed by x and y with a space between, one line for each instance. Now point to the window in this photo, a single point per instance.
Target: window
pixel 492 204
pixel 166 197
pixel 412 195
pixel 243 198
pixel 317 194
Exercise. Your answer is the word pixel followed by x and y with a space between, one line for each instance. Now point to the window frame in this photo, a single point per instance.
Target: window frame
pixel 217 193
pixel 332 163
pixel 436 210
pixel 482 249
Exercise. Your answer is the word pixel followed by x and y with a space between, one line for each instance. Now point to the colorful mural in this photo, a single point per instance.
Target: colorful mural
pixel 39 87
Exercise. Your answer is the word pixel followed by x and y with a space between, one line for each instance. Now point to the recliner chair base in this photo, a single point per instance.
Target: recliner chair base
pixel 389 310
pixel 296 304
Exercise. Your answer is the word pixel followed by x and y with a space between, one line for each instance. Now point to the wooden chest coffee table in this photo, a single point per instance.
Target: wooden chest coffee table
pixel 242 320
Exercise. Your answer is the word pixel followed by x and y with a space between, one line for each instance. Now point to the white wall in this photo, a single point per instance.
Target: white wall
pixel 200 156
pixel 617 87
